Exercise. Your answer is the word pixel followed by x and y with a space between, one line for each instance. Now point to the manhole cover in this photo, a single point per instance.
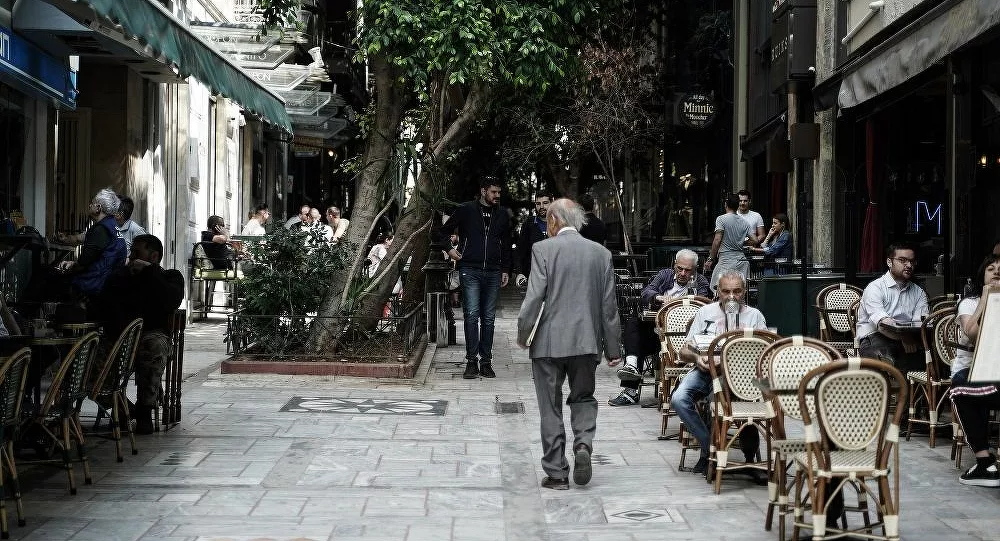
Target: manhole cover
pixel 509 407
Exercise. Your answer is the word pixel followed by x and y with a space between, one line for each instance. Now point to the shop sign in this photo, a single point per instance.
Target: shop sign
pixel 696 110
pixel 31 67
pixel 793 46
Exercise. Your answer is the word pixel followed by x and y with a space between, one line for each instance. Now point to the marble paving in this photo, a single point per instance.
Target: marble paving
pixel 298 458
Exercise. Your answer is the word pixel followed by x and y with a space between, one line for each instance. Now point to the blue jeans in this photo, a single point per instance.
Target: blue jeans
pixel 480 289
pixel 695 386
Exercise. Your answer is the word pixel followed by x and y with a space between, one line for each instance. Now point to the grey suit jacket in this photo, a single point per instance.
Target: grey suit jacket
pixel 575 279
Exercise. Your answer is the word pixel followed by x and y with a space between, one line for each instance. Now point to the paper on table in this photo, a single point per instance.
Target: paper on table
pixel 985 366
pixel 534 328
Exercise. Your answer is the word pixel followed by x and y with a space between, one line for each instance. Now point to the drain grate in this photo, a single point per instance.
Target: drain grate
pixel 509 407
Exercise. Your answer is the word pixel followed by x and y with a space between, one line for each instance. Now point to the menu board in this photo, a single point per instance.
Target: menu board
pixel 986 358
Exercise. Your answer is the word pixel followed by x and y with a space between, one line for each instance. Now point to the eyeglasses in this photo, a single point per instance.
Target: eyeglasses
pixel 904 260
pixel 744 200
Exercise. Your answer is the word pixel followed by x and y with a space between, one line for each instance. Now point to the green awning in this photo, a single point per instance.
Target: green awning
pixel 158 29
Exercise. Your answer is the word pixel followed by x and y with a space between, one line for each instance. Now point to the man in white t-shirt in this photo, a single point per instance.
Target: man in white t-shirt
pixel 255 225
pixel 751 217
pixel 713 319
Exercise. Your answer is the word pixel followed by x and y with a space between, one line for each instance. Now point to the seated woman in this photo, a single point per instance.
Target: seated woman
pixel 973 402
pixel 777 244
pixel 103 251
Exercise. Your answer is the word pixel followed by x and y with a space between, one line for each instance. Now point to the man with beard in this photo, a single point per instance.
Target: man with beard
pixel 891 297
pixel 532 231
pixel 483 260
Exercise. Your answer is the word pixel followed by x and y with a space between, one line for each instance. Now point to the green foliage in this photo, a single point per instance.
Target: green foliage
pixel 525 43
pixel 290 271
pixel 279 14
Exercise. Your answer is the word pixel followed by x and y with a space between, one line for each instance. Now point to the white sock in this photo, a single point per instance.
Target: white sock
pixel 632 361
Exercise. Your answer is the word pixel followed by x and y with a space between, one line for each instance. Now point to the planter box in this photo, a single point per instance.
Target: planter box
pixel 316 365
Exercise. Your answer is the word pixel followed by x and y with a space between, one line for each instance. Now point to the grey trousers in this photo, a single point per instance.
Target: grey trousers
pixel 549 374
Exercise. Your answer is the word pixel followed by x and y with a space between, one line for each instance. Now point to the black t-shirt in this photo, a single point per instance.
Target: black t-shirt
pixel 487 213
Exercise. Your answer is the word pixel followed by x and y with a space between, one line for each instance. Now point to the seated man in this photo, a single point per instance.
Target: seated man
pixel 640 337
pixel 144 290
pixel 697 385
pixel 891 297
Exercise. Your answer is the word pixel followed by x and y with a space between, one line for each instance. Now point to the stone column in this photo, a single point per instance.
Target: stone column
pixel 824 200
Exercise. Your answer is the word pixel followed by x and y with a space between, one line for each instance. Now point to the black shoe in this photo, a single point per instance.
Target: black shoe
pixel 980 476
pixel 555 484
pixel 143 420
pixel 486 370
pixel 759 477
pixel 471 370
pixel 582 469
pixel 700 466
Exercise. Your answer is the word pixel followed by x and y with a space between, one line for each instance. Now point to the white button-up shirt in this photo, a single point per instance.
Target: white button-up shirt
pixel 884 297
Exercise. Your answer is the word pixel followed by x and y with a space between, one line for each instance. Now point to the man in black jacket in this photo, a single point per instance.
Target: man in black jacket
pixel 594 229
pixel 532 231
pixel 483 261
pixel 144 290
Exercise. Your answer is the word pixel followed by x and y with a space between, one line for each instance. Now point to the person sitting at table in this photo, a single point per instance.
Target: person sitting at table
pixel 255 225
pixel 777 244
pixel 640 338
pixel 215 242
pixel 128 230
pixel 144 290
pixel 973 401
pixel 728 313
pixel 103 250
pixel 891 298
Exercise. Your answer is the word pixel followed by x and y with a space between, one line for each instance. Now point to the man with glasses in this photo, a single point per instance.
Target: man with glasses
pixel 891 297
pixel 751 217
pixel 640 337
pixel 301 218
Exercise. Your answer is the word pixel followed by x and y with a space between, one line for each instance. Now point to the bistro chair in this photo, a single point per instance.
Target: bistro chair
pixel 782 366
pixel 13 374
pixel 737 402
pixel 833 306
pixel 108 391
pixel 673 320
pixel 852 437
pixel 57 419
pixel 940 302
pixel 929 387
pixel 170 391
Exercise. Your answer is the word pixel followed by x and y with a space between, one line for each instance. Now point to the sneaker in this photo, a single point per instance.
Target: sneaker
pixel 701 465
pixel 582 469
pixel 555 484
pixel 981 477
pixel 627 397
pixel 471 370
pixel 486 370
pixel 629 373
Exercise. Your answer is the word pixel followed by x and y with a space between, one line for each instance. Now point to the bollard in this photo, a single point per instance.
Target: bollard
pixel 437 322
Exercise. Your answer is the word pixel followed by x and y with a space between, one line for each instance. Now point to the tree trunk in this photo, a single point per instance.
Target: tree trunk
pixel 415 221
pixel 379 159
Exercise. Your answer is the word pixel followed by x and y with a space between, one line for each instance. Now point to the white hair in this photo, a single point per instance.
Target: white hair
pixel 688 255
pixel 565 212
pixel 728 275
pixel 107 201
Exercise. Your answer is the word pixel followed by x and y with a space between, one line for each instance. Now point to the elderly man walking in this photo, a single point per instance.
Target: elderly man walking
pixel 568 317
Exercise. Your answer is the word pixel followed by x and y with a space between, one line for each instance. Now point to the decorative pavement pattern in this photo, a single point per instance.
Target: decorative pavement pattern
pixel 323 404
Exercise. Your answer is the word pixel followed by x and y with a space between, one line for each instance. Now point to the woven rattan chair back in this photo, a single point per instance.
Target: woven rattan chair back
pixel 117 368
pixel 833 304
pixel 739 353
pixel 784 364
pixel 13 374
pixel 946 338
pixel 674 320
pixel 852 403
pixel 940 302
pixel 69 383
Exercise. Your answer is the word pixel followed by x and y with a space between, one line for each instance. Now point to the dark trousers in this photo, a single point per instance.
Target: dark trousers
pixel 973 403
pixel 880 347
pixel 549 374
pixel 639 338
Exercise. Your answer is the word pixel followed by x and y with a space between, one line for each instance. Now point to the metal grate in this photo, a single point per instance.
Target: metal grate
pixel 509 407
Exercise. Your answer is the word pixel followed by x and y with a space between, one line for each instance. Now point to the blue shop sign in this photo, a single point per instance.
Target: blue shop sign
pixel 34 70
